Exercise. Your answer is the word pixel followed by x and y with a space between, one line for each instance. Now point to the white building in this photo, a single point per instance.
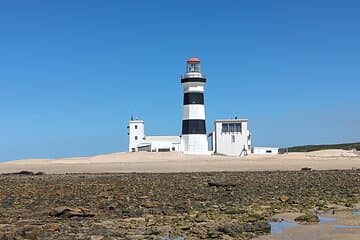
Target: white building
pixel 138 141
pixel 231 137
pixel 265 150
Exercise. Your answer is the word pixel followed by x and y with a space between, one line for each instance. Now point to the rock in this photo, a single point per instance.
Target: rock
pixel 25 173
pixel 221 184
pixel 52 227
pixel 234 210
pixel 308 218
pixel 200 218
pixel 276 219
pixel 164 230
pixel 127 206
pixel 152 231
pixel 236 229
pixel 68 212
pixel 212 233
pixel 306 169
pixel 253 218
pixel 284 198
pixel 96 237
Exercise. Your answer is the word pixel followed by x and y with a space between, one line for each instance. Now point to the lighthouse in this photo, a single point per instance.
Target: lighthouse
pixel 194 138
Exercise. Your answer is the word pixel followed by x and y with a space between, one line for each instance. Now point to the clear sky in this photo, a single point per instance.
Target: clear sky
pixel 73 72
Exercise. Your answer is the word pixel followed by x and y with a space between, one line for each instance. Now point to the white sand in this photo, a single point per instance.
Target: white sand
pixel 178 162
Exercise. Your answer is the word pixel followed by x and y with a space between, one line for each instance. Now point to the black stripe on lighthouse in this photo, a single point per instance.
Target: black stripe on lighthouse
pixel 193 126
pixel 191 79
pixel 193 98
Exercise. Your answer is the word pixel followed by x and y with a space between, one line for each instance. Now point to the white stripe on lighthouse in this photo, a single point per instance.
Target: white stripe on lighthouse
pixel 194 111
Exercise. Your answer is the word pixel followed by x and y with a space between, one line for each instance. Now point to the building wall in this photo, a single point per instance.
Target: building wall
pixel 265 150
pixel 232 143
pixel 139 142
pixel 163 143
pixel 136 134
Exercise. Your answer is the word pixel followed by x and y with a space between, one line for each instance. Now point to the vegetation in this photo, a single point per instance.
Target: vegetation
pixel 309 148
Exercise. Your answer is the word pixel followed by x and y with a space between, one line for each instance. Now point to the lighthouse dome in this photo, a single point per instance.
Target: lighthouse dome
pixel 193 60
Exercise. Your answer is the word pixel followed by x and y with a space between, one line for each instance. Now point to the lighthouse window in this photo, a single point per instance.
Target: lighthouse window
pixel 136 138
pixel 193 67
pixel 135 126
pixel 232 138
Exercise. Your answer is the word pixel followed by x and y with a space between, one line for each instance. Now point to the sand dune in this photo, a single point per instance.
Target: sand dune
pixel 178 162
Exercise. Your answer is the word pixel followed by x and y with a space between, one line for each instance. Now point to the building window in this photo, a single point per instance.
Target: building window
pixel 238 127
pixel 133 149
pixel 135 126
pixel 225 127
pixel 231 127
pixel 136 137
pixel 173 148
pixel 232 138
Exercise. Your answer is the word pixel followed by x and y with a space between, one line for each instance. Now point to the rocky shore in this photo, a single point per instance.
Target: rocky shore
pixel 219 205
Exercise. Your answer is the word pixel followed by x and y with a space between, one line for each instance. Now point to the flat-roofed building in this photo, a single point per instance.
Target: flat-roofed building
pixel 231 137
pixel 139 142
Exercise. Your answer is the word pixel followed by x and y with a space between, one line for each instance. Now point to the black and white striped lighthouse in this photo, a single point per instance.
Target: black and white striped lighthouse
pixel 193 138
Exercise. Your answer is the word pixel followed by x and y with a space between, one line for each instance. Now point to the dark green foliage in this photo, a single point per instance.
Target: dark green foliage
pixel 309 148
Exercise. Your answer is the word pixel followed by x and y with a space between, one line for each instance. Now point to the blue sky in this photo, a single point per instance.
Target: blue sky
pixel 73 72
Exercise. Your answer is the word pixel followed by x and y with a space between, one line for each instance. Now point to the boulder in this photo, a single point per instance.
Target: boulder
pixel 68 212
pixel 308 218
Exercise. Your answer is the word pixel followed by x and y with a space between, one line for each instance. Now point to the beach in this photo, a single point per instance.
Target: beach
pixel 178 162
pixel 171 196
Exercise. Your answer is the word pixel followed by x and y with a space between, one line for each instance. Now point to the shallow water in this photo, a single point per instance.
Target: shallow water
pixel 326 219
pixel 278 227
pixel 176 238
pixel 346 226
pixel 356 212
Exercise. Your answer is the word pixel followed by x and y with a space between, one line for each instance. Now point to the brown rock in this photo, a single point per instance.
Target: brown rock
pixel 96 237
pixel 284 198
pixel 65 211
pixel 308 218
